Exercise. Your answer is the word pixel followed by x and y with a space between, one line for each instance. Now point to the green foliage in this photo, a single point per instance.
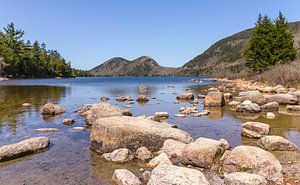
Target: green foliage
pixel 23 59
pixel 271 43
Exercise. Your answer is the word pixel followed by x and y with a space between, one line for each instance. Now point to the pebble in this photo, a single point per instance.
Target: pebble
pixel 78 128
pixel 180 115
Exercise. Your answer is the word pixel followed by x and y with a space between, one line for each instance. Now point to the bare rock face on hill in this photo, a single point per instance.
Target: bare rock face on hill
pixel 142 66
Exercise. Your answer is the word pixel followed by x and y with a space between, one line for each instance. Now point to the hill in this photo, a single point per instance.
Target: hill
pixel 226 56
pixel 142 66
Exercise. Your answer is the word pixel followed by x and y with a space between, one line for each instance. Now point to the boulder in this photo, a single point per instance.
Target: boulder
pixel 283 99
pixel 248 107
pixel 252 160
pixel 253 96
pixel 143 89
pixel 142 98
pixel 185 96
pixel 67 121
pixel 202 152
pixel 269 107
pixel 135 132
pixel 102 110
pixel 273 143
pixel 125 177
pixel 46 130
pixel 120 155
pixel 170 174
pixel 160 159
pixel 214 99
pixel 52 109
pixel 255 129
pixel 22 148
pixel 293 108
pixel 242 178
pixel 173 148
pixel 143 154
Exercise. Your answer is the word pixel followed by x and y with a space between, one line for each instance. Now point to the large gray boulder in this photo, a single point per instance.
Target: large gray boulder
pixel 214 99
pixel 202 152
pixel 242 178
pixel 125 177
pixel 248 107
pixel 52 109
pixel 25 147
pixel 110 133
pixel 283 99
pixel 269 107
pixel 253 96
pixel 171 175
pixel 272 143
pixel 102 110
pixel 252 160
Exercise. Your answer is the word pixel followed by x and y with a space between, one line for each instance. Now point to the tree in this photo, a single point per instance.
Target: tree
pixel 271 43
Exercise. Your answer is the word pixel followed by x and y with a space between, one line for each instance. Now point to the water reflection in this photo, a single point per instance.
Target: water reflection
pixel 12 98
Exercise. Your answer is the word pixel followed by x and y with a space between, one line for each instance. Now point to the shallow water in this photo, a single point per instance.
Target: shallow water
pixel 69 159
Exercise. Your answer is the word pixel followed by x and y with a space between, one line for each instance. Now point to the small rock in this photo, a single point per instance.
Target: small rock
pixel 250 134
pixel 293 108
pixel 125 177
pixel 201 96
pixel 224 144
pixel 104 98
pixel 129 106
pixel 142 98
pixel 78 128
pixel 143 154
pixel 143 89
pixel 227 96
pixel 160 159
pixel 242 178
pixel 123 98
pixel 52 109
pixel 26 104
pixel 146 176
pixel 180 115
pixel 158 116
pixel 255 129
pixel 270 115
pixel 278 143
pixel 248 107
pixel 188 96
pixel 46 130
pixel 202 113
pixel 67 121
pixel 120 155
pixel 234 103
pixel 272 106
pixel 173 148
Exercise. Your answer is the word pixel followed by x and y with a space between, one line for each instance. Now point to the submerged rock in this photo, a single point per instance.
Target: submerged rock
pixel 46 130
pixel 187 96
pixel 52 109
pixel 143 89
pixel 272 143
pixel 214 99
pixel 242 178
pixel 160 159
pixel 101 110
pixel 22 148
pixel 120 155
pixel 135 132
pixel 170 174
pixel 252 160
pixel 125 177
pixel 67 121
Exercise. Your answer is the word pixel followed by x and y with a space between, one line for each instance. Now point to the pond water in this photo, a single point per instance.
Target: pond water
pixel 69 159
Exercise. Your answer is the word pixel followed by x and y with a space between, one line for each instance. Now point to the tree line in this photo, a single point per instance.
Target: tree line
pixel 272 43
pixel 19 58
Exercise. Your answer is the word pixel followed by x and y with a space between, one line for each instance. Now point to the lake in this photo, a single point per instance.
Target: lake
pixel 69 159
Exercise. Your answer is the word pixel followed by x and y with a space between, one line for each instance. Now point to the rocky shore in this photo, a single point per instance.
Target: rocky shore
pixel 173 156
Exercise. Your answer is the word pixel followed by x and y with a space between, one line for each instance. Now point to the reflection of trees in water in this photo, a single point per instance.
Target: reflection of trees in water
pixel 12 98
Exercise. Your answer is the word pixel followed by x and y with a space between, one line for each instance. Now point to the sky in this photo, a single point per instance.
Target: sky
pixel 89 32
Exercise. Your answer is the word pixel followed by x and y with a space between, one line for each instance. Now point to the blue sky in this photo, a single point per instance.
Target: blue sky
pixel 88 32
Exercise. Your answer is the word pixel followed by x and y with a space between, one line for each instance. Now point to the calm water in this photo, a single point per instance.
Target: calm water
pixel 69 159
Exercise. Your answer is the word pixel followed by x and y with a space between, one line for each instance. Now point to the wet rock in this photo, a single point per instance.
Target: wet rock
pixel 283 99
pixel 22 148
pixel 170 174
pixel 202 152
pixel 272 143
pixel 270 115
pixel 159 116
pixel 252 160
pixel 123 98
pixel 101 110
pixel 143 154
pixel 180 115
pixel 46 130
pixel 125 177
pixel 26 104
pixel 120 155
pixel 67 121
pixel 248 107
pixel 293 107
pixel 227 96
pixel 52 109
pixel 214 99
pixel 202 113
pixel 104 98
pixel 135 132
pixel 242 178
pixel 253 96
pixel 269 107
pixel 142 98
pixel 255 129
pixel 160 159
pixel 143 89
pixel 173 148
pixel 185 96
